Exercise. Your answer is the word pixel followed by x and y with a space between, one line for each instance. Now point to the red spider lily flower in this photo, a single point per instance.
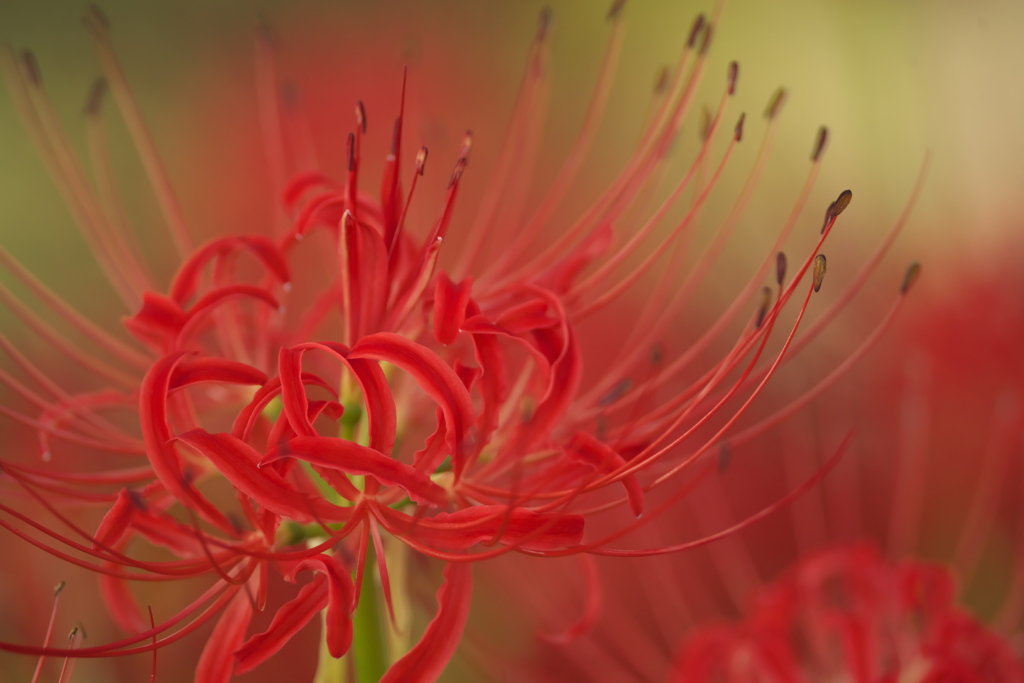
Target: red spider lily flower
pixel 848 615
pixel 831 589
pixel 449 409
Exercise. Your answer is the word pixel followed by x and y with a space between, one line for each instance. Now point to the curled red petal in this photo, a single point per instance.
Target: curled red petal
pixel 435 377
pixel 249 415
pixel 185 280
pixel 215 298
pixel 340 600
pixel 430 457
pixel 193 371
pixel 587 448
pixel 158 321
pixel 289 619
pixel 531 315
pixel 116 520
pixel 428 658
pixel 380 404
pixel 352 458
pixel 238 462
pixel 302 182
pixel 156 433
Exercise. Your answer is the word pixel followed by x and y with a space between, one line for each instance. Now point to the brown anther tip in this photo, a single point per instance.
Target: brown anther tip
pixel 739 126
pixel 350 149
pixel 780 267
pixel 705 41
pixel 819 143
pixel 460 166
pixel 829 215
pixel 910 277
pixel 775 104
pixel 74 632
pixel 705 123
pixel 543 24
pixel 421 160
pixel 361 116
pixel 842 201
pixel 95 99
pixel 616 9
pixel 58 588
pixel 96 17
pixel 661 82
pixel 766 302
pixel 734 72
pixel 698 26
pixel 819 271
pixel 30 65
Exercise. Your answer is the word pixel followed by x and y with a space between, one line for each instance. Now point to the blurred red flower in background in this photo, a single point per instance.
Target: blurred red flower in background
pixel 288 407
pixel 906 565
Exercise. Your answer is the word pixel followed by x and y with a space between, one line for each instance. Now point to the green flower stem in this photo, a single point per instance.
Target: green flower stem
pixel 369 640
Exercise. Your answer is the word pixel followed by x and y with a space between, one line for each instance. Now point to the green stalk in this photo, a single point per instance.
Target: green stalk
pixel 369 640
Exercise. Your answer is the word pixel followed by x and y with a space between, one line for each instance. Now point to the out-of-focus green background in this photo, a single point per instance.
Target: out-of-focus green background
pixel 890 79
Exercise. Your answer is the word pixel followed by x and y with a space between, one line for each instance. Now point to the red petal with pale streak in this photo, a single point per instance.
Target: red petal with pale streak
pixel 156 432
pixel 449 307
pixel 184 284
pixel 353 458
pixel 465 528
pixel 380 404
pixel 340 600
pixel 606 459
pixel 237 461
pixel 216 370
pixel 427 659
pixel 289 620
pixel 216 663
pixel 434 376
